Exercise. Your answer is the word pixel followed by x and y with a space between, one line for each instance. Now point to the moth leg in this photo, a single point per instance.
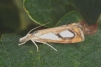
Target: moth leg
pixel 48 45
pixel 22 43
pixel 35 45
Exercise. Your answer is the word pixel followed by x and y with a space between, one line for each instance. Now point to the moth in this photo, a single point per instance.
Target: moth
pixel 70 33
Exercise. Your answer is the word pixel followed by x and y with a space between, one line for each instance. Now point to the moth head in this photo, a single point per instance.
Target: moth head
pixel 24 39
pixel 29 36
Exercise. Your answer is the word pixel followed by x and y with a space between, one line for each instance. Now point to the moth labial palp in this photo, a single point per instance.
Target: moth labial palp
pixel 70 33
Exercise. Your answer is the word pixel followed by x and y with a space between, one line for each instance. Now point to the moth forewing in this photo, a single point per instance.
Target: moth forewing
pixel 70 33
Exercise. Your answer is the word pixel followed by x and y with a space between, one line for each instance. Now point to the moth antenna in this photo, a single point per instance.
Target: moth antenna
pixel 35 45
pixel 37 27
pixel 48 45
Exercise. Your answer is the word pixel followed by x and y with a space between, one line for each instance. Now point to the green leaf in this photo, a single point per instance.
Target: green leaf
pixel 83 54
pixel 70 17
pixel 43 11
pixel 46 11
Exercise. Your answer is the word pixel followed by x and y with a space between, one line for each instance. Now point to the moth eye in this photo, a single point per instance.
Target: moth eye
pixel 35 32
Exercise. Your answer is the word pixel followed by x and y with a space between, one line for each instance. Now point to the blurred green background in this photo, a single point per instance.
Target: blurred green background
pixel 13 18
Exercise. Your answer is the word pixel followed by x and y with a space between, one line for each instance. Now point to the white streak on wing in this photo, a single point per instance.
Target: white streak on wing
pixel 66 34
pixel 49 36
